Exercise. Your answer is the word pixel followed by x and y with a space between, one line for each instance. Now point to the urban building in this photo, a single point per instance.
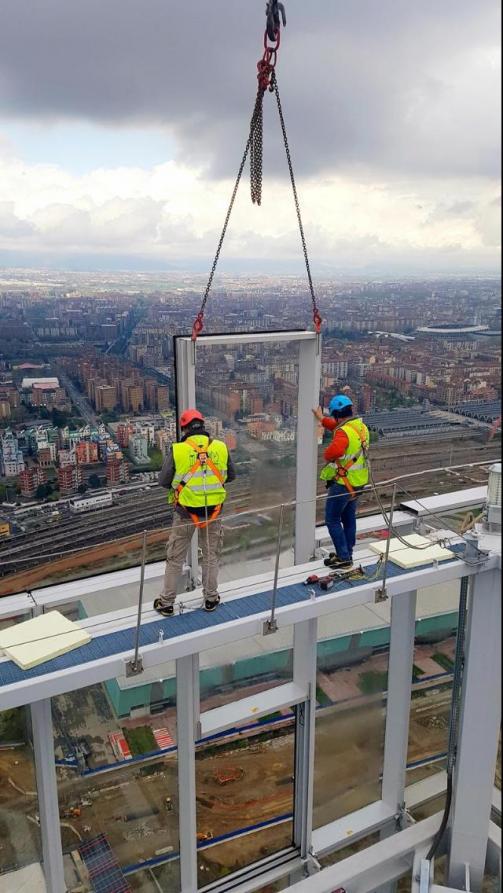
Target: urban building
pixel 30 478
pixel 69 477
pixel 11 457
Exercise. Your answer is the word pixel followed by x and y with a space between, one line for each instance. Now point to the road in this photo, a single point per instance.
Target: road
pixel 78 399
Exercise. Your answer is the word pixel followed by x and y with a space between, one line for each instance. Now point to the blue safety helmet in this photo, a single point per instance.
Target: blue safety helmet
pixel 338 403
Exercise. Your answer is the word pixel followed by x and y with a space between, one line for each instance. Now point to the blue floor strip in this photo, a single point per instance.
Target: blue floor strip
pixel 122 641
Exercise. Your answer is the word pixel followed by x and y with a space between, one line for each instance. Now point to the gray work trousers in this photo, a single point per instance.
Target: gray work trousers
pixel 210 542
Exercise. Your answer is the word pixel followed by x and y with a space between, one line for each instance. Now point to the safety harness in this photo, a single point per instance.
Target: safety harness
pixel 203 460
pixel 344 467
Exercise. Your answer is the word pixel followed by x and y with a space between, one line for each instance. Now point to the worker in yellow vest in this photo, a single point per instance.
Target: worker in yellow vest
pixel 195 473
pixel 345 473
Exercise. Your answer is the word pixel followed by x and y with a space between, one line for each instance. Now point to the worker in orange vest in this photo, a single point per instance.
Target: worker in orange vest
pixel 345 473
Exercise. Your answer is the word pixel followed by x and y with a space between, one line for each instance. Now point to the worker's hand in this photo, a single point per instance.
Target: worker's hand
pixel 318 414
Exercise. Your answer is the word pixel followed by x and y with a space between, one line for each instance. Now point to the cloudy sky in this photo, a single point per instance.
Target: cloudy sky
pixel 122 124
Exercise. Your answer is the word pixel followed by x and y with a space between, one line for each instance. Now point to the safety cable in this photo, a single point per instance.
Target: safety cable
pixel 323 496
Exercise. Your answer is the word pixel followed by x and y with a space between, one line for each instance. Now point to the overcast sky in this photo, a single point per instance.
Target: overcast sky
pixel 122 124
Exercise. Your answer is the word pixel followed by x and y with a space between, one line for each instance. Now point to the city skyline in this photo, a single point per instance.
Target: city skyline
pixel 394 135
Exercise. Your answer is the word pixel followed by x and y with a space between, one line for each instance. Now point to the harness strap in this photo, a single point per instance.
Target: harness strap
pixel 202 460
pixel 344 468
pixel 197 520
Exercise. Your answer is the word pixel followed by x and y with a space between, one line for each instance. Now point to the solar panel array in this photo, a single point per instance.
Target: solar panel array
pixel 104 871
pixel 408 420
pixel 487 410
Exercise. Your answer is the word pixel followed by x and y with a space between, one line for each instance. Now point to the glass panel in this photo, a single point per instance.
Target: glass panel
pixel 249 394
pixel 19 831
pixel 117 775
pixel 244 800
pixel 350 721
pixel 434 649
pixel 245 667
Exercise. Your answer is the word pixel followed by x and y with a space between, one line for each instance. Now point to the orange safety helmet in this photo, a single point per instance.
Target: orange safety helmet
pixel 188 416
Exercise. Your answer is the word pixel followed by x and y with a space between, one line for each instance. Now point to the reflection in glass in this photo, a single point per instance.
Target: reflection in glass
pixel 350 719
pixel 245 794
pixel 20 842
pixel 434 650
pixel 117 777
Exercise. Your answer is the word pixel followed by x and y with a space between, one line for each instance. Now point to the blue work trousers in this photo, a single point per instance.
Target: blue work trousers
pixel 340 518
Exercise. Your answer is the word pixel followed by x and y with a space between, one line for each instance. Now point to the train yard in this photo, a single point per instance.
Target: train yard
pixel 137 510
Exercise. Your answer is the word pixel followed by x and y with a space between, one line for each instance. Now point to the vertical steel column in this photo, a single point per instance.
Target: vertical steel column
pixel 304 674
pixel 186 709
pixel 401 657
pixel 307 447
pixel 47 788
pixel 186 396
pixel 478 732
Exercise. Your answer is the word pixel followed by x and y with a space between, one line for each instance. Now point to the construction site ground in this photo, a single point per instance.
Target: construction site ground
pixel 130 806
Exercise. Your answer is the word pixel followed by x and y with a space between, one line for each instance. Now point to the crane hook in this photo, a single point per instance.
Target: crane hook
pixel 273 10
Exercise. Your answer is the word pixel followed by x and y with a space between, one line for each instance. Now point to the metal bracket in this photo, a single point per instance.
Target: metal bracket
pixel 311 864
pixel 381 595
pixel 269 627
pixel 134 667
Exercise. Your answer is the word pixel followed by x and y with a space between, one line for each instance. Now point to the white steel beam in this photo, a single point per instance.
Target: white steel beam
pixel 38 687
pixel 47 789
pixel 305 640
pixel 252 707
pixel 351 827
pixel 307 448
pixel 478 733
pixel 377 865
pixel 401 657
pixel 186 667
pixel 425 790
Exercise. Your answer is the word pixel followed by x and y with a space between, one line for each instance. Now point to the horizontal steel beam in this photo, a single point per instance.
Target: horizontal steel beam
pixel 254 338
pixel 80 675
pixel 351 827
pixel 379 864
pixel 253 707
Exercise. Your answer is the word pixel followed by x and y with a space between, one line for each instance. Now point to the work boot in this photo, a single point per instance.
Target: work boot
pixel 165 610
pixel 337 563
pixel 211 604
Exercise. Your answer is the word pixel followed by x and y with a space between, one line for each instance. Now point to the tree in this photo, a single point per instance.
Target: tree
pixel 82 488
pixel 94 481
pixel 41 491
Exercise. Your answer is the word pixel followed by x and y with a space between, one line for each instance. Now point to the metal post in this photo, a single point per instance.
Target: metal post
pixel 478 733
pixel 307 449
pixel 381 594
pixel 186 732
pixel 401 657
pixel 271 625
pixel 186 396
pixel 305 637
pixel 135 665
pixel 47 788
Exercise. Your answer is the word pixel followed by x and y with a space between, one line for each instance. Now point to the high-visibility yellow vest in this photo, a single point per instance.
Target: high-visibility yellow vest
pixel 352 467
pixel 200 472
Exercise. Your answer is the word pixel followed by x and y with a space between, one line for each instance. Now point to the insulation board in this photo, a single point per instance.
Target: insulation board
pixel 42 638
pixel 408 557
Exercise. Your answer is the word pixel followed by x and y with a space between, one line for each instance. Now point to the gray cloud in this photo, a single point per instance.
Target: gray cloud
pixel 366 86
